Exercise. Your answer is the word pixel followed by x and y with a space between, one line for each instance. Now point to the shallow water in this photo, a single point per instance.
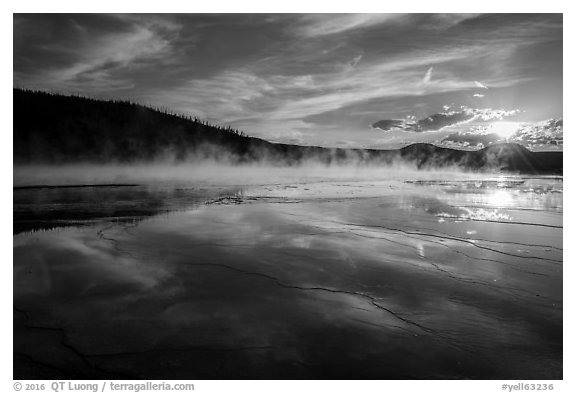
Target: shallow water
pixel 317 279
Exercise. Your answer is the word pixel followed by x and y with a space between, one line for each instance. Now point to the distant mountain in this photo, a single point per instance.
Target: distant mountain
pixel 507 157
pixel 57 129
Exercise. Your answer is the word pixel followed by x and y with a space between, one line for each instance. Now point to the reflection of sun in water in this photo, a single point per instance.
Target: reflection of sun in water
pixel 500 198
pixel 505 129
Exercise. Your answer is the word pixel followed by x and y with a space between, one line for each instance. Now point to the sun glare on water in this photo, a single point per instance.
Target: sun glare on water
pixel 505 129
pixel 500 198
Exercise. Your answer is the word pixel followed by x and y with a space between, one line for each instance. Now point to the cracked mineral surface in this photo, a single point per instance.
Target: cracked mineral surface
pixel 319 279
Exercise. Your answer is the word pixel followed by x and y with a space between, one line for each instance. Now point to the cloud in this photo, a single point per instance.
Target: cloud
pixel 477 137
pixel 532 135
pixel 394 124
pixel 547 132
pixel 444 21
pixel 229 96
pixel 487 114
pixel 427 76
pixel 335 73
pixel 441 120
pixel 397 77
pixel 94 59
pixel 317 25
pixel 350 66
pixel 116 50
pixel 356 60
pixel 252 92
pixel 480 85
pixel 448 118
pixel 293 137
pixel 321 25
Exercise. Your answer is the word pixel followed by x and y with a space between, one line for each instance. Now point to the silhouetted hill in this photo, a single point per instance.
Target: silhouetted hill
pixel 508 157
pixel 55 129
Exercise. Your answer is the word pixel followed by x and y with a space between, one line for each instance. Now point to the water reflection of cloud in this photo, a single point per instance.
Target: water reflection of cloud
pixel 332 283
pixel 80 259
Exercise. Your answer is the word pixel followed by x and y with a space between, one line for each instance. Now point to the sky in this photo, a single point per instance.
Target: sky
pixel 339 80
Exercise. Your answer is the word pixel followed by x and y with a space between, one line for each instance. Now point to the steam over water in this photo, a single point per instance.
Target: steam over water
pixel 334 274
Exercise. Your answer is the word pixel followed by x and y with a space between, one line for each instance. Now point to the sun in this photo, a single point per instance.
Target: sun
pixel 505 129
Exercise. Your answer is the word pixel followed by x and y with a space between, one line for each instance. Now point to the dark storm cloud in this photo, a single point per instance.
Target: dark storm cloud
pixel 320 77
